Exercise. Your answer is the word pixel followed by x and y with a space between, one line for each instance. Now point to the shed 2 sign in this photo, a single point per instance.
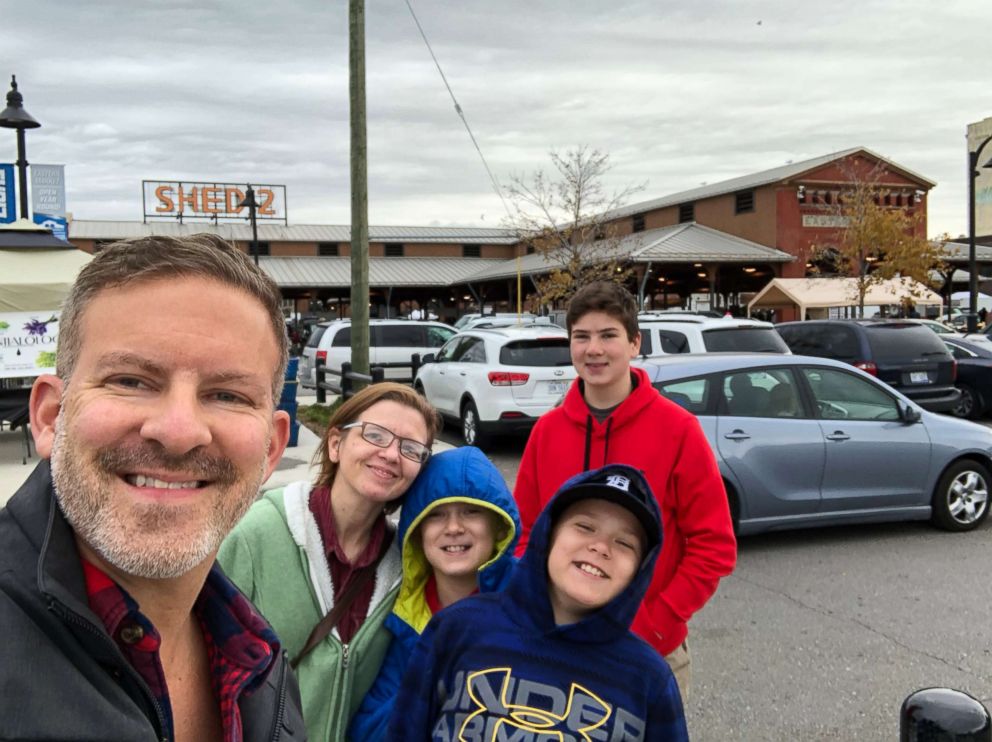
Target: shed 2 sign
pixel 180 200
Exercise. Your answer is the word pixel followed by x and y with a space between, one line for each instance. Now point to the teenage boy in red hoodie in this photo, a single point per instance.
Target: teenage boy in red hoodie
pixel 612 414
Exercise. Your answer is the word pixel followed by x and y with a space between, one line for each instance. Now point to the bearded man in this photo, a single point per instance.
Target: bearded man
pixel 156 432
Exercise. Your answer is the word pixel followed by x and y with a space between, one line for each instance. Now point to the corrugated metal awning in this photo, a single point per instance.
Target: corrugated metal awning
pixel 307 272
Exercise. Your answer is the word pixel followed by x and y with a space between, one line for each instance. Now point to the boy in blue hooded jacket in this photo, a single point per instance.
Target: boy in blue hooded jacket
pixel 457 531
pixel 552 655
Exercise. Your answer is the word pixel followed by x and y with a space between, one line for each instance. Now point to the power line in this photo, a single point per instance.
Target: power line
pixel 461 114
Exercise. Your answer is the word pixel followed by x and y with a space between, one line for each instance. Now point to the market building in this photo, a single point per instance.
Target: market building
pixel 719 242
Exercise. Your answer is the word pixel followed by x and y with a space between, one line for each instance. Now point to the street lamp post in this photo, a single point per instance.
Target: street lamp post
pixel 15 117
pixel 252 204
pixel 973 158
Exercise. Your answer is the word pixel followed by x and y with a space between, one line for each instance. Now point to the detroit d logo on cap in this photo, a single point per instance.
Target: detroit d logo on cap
pixel 619 482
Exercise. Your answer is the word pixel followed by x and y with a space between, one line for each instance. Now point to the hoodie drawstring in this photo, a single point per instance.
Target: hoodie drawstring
pixel 585 462
pixel 606 443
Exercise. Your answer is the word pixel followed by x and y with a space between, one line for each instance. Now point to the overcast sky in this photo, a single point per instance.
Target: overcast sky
pixel 679 94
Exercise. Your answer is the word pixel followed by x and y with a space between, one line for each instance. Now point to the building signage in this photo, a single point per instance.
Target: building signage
pixel 8 201
pixel 825 221
pixel 185 200
pixel 27 343
pixel 48 189
pixel 977 133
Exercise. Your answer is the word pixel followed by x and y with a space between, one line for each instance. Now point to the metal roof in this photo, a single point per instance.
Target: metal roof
pixel 119 230
pixel 957 252
pixel 754 180
pixel 688 242
pixel 307 272
pixel 679 243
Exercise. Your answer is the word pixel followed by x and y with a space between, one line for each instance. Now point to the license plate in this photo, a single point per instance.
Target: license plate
pixel 919 377
pixel 557 387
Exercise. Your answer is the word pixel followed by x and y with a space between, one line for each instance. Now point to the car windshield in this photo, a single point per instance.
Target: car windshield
pixel 318 333
pixel 901 342
pixel 744 339
pixel 543 352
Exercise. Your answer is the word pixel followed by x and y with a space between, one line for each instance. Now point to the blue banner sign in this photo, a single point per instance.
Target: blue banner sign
pixel 58 224
pixel 8 202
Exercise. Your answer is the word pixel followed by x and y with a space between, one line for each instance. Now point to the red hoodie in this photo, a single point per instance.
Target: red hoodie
pixel 666 442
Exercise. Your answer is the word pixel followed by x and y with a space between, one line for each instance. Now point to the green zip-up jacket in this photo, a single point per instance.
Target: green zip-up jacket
pixel 276 556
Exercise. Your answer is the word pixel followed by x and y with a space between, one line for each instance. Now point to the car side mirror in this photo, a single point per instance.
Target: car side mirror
pixel 908 413
pixel 428 358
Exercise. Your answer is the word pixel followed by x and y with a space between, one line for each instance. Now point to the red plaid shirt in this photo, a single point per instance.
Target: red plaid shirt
pixel 240 644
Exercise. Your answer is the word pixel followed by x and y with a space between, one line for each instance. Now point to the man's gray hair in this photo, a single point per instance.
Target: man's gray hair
pixel 161 258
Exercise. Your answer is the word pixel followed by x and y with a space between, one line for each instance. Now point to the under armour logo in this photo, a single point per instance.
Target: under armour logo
pixel 619 482
pixel 582 714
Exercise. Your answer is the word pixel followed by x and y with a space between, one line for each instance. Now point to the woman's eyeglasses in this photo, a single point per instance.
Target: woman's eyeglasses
pixel 383 438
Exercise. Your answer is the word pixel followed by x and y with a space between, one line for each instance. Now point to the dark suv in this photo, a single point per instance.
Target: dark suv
pixel 907 356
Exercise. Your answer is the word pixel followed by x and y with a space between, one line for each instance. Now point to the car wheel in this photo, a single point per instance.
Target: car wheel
pixel 961 500
pixel 419 389
pixel 472 432
pixel 970 405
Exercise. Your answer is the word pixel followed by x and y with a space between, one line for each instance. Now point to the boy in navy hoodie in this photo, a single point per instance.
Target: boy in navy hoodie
pixel 552 657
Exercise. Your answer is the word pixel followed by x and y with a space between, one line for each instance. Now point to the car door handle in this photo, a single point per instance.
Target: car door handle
pixel 737 435
pixel 838 435
pixel 461 373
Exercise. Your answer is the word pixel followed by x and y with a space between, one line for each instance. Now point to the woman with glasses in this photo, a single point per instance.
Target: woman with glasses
pixel 321 561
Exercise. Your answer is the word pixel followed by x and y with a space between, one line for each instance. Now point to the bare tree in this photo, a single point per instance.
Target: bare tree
pixel 564 215
pixel 877 238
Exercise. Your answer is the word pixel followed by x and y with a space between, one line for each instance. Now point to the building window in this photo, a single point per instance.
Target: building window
pixel 637 223
pixel 530 249
pixel 743 202
pixel 327 249
pixel 263 248
pixel 394 250
pixel 687 213
pixel 471 251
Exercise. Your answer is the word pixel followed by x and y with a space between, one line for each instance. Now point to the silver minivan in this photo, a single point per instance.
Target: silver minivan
pixel 391 341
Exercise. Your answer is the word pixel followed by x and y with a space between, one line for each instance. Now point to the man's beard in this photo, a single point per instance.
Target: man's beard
pixel 147 539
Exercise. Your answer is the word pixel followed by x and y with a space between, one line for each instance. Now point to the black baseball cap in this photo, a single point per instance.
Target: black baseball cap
pixel 617 483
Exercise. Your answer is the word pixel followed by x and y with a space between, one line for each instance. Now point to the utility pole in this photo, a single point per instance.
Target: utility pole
pixel 359 191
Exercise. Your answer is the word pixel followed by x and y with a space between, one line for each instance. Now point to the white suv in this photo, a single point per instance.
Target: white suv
pixel 391 341
pixel 498 379
pixel 664 333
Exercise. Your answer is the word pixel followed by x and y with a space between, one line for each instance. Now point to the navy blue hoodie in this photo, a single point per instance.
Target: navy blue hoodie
pixel 496 666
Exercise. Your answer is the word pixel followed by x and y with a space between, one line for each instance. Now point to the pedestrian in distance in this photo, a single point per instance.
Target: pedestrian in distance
pixel 457 530
pixel 155 432
pixel 612 414
pixel 552 656
pixel 321 561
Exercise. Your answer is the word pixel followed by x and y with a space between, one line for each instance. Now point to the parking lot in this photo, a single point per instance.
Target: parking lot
pixel 820 634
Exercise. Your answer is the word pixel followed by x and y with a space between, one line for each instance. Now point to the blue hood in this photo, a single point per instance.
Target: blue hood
pixel 528 585
pixel 458 475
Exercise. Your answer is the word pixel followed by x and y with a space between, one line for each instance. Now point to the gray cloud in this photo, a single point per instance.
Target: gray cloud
pixel 679 94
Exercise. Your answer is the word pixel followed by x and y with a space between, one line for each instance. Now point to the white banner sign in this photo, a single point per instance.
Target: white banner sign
pixel 48 189
pixel 27 343
pixel 977 133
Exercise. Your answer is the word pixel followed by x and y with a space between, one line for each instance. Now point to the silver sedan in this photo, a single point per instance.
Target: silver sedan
pixel 807 441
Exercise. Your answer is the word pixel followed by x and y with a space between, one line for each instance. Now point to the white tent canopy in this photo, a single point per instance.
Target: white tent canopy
pixel 825 293
pixel 36 280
